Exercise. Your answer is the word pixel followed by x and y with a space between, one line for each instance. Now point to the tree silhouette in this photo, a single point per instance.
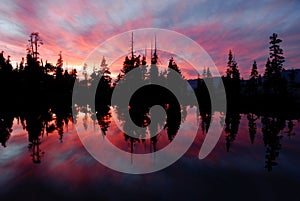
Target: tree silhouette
pixel 232 68
pixel 6 123
pixel 172 65
pixel 253 81
pixel 274 83
pixel 276 54
pixel 59 67
pixel 254 72
pixel 208 73
pixel 229 64
pixel 40 97
pixel 232 81
pixel 268 70
pixel 5 65
pixel 204 72
pixel 153 71
pixel 271 128
pixel 33 43
pixel 232 122
pixel 104 90
pixel 252 126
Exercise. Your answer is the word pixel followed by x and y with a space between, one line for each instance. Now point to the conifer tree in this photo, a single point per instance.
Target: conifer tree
pixel 276 56
pixel 172 65
pixel 208 73
pixel 204 72
pixel 59 65
pixel 254 72
pixel 253 81
pixel 274 67
pixel 232 68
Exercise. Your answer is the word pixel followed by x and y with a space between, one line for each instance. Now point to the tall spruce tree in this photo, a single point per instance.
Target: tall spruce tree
pixel 254 72
pixel 274 83
pixel 232 68
pixel 253 81
pixel 208 73
pixel 276 56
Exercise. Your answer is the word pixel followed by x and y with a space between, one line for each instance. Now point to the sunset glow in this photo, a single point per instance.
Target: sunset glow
pixel 77 28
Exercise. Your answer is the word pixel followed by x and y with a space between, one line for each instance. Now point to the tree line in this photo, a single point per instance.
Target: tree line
pixel 269 90
pixel 34 82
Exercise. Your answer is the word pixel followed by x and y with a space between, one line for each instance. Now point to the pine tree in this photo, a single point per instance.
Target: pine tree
pixel 153 71
pixel 129 63
pixel 32 64
pixel 144 68
pixel 232 68
pixel 268 70
pixel 33 43
pixel 274 67
pixel 59 65
pixel 276 56
pixel 2 60
pixel 229 64
pixel 126 65
pixel 21 67
pixel 5 65
pixel 105 73
pixel 235 71
pixel 232 80
pixel 208 73
pixel 254 72
pixel 253 81
pixel 172 65
pixel 8 64
pixel 204 72
pixel 103 93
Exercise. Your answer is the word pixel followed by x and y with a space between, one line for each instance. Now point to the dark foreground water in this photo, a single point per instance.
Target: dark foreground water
pixel 256 158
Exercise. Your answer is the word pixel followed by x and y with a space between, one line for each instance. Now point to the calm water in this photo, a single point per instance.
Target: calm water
pixel 255 158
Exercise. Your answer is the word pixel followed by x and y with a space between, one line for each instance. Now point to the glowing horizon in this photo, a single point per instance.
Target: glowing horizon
pixel 78 28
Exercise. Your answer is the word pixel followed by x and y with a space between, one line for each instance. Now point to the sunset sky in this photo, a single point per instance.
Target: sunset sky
pixel 77 27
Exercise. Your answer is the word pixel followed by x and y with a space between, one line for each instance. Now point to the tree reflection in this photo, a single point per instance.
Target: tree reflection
pixel 252 126
pixel 40 97
pixel 38 121
pixel 6 122
pixel 140 115
pixel 104 119
pixel 271 127
pixel 232 122
pixel 148 96
pixel 205 122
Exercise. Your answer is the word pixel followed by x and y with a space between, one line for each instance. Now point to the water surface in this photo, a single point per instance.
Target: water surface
pixel 257 157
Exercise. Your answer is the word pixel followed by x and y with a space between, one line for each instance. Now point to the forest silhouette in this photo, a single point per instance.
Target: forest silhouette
pixel 39 96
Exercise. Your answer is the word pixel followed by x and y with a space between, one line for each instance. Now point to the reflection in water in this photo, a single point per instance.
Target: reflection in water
pixel 38 123
pixel 232 122
pixel 205 122
pixel 270 128
pixel 252 126
pixel 6 123
pixel 58 154
pixel 35 125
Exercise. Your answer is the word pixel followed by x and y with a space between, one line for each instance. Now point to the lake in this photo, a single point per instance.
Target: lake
pixel 256 157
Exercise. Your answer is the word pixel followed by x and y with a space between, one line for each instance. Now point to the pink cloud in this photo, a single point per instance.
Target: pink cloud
pixel 77 28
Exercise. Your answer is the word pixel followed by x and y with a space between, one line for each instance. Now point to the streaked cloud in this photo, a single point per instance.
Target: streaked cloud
pixel 77 27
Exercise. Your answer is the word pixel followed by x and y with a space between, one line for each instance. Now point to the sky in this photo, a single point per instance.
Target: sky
pixel 77 27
